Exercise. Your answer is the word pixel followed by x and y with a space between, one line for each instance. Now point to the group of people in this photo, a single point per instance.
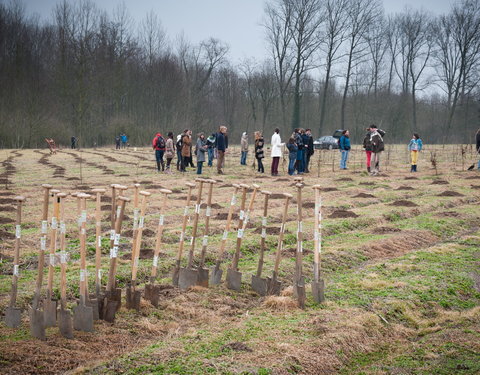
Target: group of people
pixel 121 141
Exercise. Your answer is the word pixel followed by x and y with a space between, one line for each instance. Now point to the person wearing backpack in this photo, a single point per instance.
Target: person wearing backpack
pixel 367 145
pixel 344 143
pixel 158 144
pixel 169 151
pixel 299 142
pixel 376 138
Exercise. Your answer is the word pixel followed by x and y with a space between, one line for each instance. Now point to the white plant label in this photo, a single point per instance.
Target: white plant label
pixel 52 259
pixel 141 222
pixel 82 275
pixel 18 231
pixel 99 274
pixel 233 201
pixel 54 223
pixel 79 221
pixel 135 262
pixel 191 241
pixel 44 226
pixel 114 252
pixel 246 218
pixel 63 257
pixel 43 243
pixel 99 241
pixel 83 232
pixel 135 218
pixel 118 211
pixel 155 261
pixel 112 235
pixel 84 216
pixel 205 241
pixel 240 233
pixel 16 270
pixel 63 228
pixel 116 240
pixel 182 236
pixel 264 233
pixel 98 224
pixel 282 228
pixel 264 221
pixel 315 236
pixel 300 226
pixel 161 220
pixel 242 214
pixel 300 247
pixel 225 235
pixel 197 208
pixel 208 212
pixel 185 211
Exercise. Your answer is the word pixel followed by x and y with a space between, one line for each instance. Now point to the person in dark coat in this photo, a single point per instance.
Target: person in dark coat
pixel 259 155
pixel 200 150
pixel 222 145
pixel 292 148
pixel 376 138
pixel 310 150
pixel 158 144
pixel 117 142
pixel 211 149
pixel 73 142
pixel 344 144
pixel 477 139
pixel 299 141
pixel 367 145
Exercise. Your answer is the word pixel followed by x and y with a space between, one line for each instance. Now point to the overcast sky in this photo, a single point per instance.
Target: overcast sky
pixel 236 22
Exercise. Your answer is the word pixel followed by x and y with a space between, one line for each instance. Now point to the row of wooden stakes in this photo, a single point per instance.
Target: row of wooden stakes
pixel 105 302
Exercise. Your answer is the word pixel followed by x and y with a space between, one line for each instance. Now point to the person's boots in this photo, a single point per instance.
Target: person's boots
pixel 412 168
pixel 163 165
pixel 368 169
pixel 415 168
pixel 158 166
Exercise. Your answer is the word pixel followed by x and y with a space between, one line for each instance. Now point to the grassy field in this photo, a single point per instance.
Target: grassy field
pixel 401 262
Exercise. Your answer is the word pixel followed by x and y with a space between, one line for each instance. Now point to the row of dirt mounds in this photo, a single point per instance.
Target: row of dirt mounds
pixel 6 220
pixel 411 178
pixel 400 244
pixel 383 230
pixel 450 193
pixel 80 160
pixel 472 178
pixel 364 195
pixel 109 158
pixel 58 171
pixel 448 214
pixel 476 187
pixel 403 203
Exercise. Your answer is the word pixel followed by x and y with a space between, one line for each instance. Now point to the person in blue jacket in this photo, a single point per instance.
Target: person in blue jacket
pixel 415 146
pixel 344 144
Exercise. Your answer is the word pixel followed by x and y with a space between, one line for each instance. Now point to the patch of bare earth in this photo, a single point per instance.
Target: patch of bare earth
pixel 404 203
pixel 342 214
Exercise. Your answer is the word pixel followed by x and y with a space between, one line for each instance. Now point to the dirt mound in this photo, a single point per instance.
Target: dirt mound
pixel 472 178
pixel 448 214
pixel 327 189
pixel 366 183
pixel 399 244
pixel 4 235
pixel 383 230
pixel 270 230
pixel 123 175
pixel 364 195
pixel 106 207
pixel 6 220
pixel 236 346
pixel 404 187
pixel 7 200
pixel 308 204
pixel 277 196
pixel 411 178
pixel 7 209
pixel 450 193
pixel 475 187
pixel 282 179
pixel 105 199
pixel 439 182
pixel 154 186
pixel 73 179
pixel 224 215
pixel 404 203
pixel 216 206
pixel 344 179
pixel 82 187
pixel 6 193
pixel 146 233
pixel 342 214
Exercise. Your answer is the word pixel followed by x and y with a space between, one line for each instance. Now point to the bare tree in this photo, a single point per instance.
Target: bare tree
pixel 377 47
pixel 361 15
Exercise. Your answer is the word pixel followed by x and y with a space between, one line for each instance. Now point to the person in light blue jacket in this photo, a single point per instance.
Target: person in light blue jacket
pixel 344 144
pixel 415 146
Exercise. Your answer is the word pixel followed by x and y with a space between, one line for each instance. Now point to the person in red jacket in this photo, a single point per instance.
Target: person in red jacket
pixel 158 144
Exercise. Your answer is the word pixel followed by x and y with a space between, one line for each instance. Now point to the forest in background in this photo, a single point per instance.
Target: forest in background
pixel 332 64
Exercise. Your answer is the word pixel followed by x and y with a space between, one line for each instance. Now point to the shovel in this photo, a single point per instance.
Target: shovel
pixel 112 300
pixel 216 275
pixel 13 315
pixel 299 283
pixel 65 324
pixel 250 205
pixel 37 321
pixel 133 296
pixel 152 292
pixel 136 211
pixel 203 273
pixel 234 277
pixel 98 247
pixel 318 285
pixel 176 269
pixel 188 276
pixel 274 286
pixel 50 304
pixel 259 284
pixel 82 313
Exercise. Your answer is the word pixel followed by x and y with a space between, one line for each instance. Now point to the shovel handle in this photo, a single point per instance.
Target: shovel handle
pixel 63 265
pixel 136 190
pixel 53 242
pixel 184 223
pixel 250 205
pixel 299 253
pixel 317 233
pixel 229 222
pixel 138 241
pixel 114 202
pixel 160 227
pixel 16 257
pixel 98 239
pixel 281 234
pixel 207 221
pixel 201 181
pixel 264 233
pixel 236 256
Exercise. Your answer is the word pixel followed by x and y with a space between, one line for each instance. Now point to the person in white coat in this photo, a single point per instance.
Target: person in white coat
pixel 276 151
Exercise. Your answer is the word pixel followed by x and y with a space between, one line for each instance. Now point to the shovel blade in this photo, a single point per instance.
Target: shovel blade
pixel 115 295
pixel 50 312
pixel 65 324
pixel 175 276
pixel 259 285
pixel 300 288
pixel 109 310
pixel 216 276
pixel 93 303
pixel 203 276
pixel 155 295
pixel 133 298
pixel 147 294
pixel 234 279
pixel 318 291
pixel 37 324
pixel 13 317
pixel 273 286
pixel 187 278
pixel 83 318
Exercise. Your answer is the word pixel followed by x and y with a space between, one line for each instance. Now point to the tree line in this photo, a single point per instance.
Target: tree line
pixel 331 64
